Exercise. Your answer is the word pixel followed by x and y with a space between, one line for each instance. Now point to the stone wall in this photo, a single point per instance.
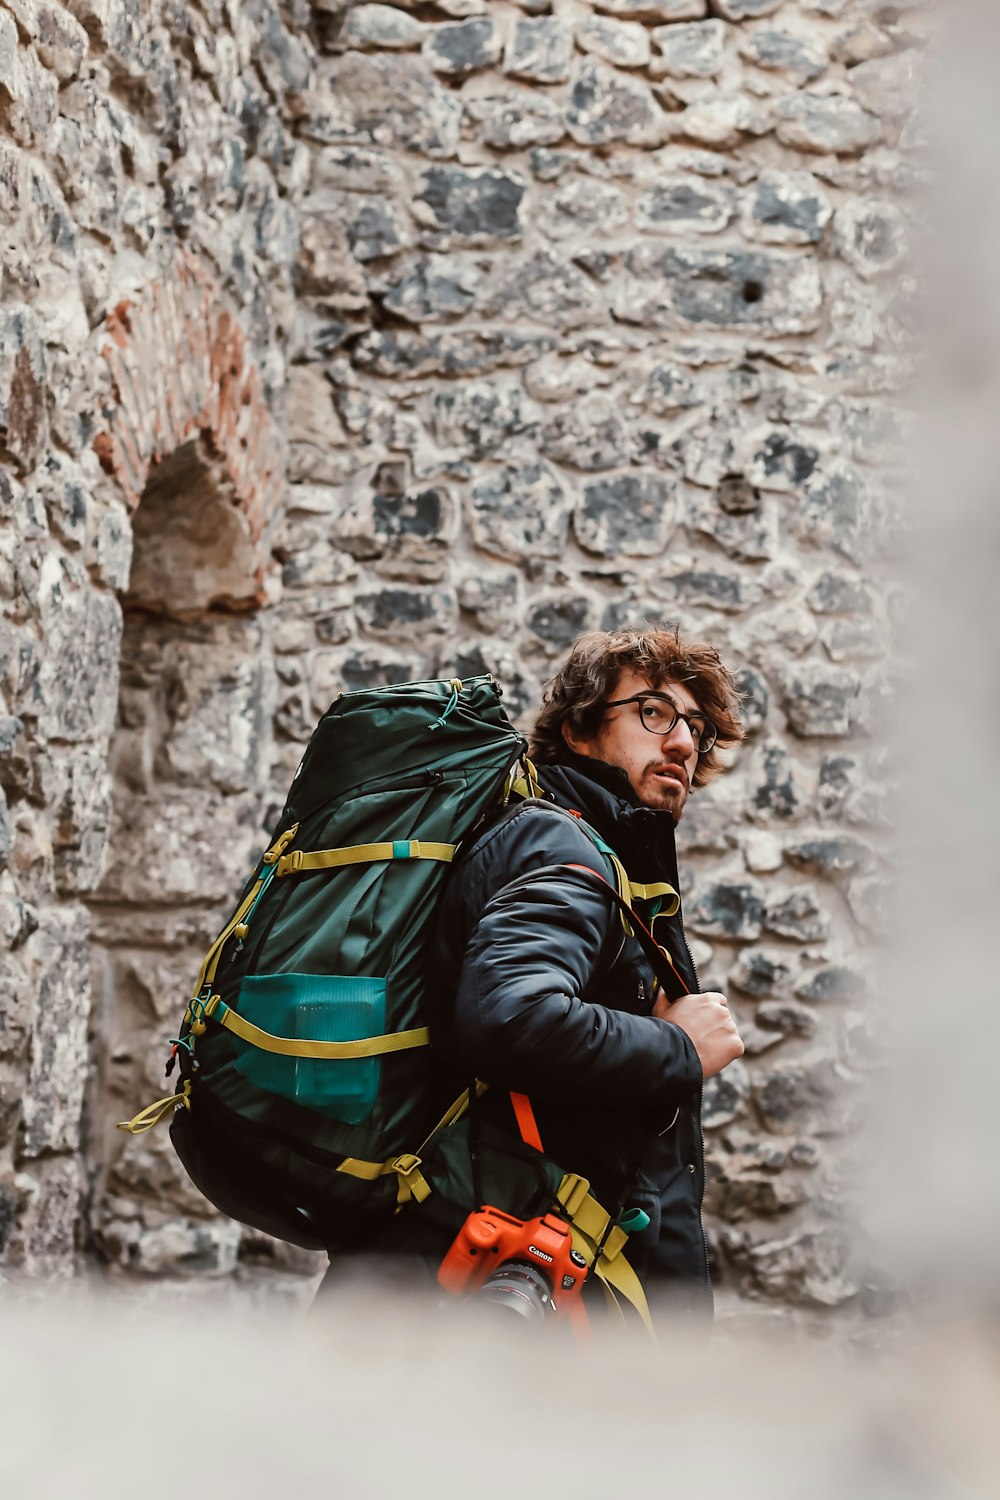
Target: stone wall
pixel 409 341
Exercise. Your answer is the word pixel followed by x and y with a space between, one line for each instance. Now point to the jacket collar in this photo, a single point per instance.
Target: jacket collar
pixel 642 837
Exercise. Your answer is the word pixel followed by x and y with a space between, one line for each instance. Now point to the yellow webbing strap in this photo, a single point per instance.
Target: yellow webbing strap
pixel 412 1183
pixel 670 906
pixel 151 1116
pixel 362 854
pixel 589 1223
pixel 369 1046
pixel 211 960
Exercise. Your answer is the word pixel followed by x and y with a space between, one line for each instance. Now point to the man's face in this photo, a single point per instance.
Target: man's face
pixel 660 768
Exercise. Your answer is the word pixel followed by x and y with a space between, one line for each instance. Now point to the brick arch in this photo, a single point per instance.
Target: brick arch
pixel 181 369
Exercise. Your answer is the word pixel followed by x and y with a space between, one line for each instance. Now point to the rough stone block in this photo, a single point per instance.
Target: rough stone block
pixel 825 123
pixel 719 289
pixel 726 1096
pixel 776 794
pixel 801 58
pixel 555 623
pixel 196 849
pixel 745 10
pixel 492 601
pixel 820 700
pixel 683 204
pixel 582 206
pixel 837 512
pixel 516 119
pixel 721 120
pixel 655 10
pixel 630 515
pixel 479 205
pixel 24 427
pixel 606 106
pixel 810 1268
pixel 729 909
pixel 539 49
pixel 381 28
pixel 391 101
pixel 464 48
pixel 59 963
pixel 407 612
pixel 482 416
pixel 624 44
pixel 796 914
pixel 48 1203
pixel 786 208
pixel 811 1098
pixel 871 235
pixel 591 435
pixel 761 973
pixel 694 51
pixel 521 511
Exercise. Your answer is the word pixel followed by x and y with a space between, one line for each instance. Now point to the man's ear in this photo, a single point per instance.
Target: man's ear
pixel 578 746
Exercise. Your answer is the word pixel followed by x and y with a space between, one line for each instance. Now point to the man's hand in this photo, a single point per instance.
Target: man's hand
pixel 709 1024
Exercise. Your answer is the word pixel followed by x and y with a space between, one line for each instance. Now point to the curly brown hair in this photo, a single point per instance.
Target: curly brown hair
pixel 576 695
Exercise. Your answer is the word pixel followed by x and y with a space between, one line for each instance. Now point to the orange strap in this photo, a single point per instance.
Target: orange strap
pixel 526 1123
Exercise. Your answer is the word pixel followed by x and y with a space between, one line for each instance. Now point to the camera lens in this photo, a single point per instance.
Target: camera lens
pixel 519 1287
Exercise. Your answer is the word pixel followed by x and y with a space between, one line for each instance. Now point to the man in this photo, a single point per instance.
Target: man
pixel 539 990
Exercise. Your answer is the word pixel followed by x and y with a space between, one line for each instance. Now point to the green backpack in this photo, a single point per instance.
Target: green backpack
pixel 304 1096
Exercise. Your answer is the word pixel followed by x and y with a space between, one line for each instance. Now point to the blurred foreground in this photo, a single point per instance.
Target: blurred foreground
pixel 366 1398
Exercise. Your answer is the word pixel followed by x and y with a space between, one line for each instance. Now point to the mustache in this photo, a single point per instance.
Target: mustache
pixel 674 768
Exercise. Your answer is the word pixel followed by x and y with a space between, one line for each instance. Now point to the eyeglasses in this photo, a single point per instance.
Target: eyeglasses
pixel 659 715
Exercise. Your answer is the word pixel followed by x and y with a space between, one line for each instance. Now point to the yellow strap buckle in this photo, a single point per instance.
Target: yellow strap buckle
pixel 150 1117
pixel 412 1183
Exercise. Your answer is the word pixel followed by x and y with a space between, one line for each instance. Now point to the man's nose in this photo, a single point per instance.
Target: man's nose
pixel 680 738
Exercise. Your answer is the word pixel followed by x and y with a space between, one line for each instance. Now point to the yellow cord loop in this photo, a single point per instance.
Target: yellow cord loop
pixel 150 1117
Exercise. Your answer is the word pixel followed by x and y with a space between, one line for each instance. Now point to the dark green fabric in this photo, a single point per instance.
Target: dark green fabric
pixel 387 764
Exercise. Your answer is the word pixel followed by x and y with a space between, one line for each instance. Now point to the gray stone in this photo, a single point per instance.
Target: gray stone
pixel 890 87
pixel 481 416
pixel 591 435
pixel 710 587
pixel 735 289
pixel 625 44
pixel 580 206
pixel 377 667
pixel 825 123
pixel 517 118
pixel 785 1019
pixel 543 287
pixel 435 288
pixel 60 960
pixel 520 511
pixel 760 973
pixel 810 1268
pixel 862 42
pixel 478 205
pixel 632 515
pixel 492 601
pixel 83 630
pixel 871 235
pixel 606 107
pixel 683 204
pixel 755 699
pixel 407 612
pixel 655 10
pixel 24 428
pixel 744 10
pixel 411 354
pixel 392 101
pixel 775 792
pixel 779 462
pixel 726 1096
pixel 464 48
pixel 802 58
pixel 728 909
pixel 838 855
pixel 353 169
pixel 539 49
pixel 374 229
pixel 695 51
pixel 834 984
pixel 810 1098
pixel 834 593
pixel 668 389
pixel 380 28
pixel 820 700
pixel 555 623
pixel 748 536
pixel 721 120
pixel 797 914
pixel 837 513
pixel 786 208
pixel 61 42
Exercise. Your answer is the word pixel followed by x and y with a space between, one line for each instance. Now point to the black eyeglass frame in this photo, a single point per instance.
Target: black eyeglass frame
pixel 642 698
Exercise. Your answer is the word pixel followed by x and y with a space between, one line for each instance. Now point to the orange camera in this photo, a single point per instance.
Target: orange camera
pixel 527 1265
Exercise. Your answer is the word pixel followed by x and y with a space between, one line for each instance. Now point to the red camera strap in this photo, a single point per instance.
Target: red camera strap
pixel 526 1122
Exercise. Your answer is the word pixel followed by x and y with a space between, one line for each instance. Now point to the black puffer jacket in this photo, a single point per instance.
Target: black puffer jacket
pixel 540 992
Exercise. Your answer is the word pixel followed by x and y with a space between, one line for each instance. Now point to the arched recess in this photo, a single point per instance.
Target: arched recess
pixel 191 442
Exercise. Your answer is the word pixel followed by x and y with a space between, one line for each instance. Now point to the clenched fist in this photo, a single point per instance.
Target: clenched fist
pixel 709 1024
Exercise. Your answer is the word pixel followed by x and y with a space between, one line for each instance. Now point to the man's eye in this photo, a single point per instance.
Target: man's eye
pixel 655 716
pixel 697 727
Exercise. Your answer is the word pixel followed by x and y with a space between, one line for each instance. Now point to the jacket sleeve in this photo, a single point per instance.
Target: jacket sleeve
pixel 521 1022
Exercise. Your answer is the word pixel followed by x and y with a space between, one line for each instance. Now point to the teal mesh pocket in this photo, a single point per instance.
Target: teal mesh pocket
pixel 316 1008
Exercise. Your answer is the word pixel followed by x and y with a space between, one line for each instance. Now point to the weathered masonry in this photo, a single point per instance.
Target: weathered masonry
pixel 344 344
